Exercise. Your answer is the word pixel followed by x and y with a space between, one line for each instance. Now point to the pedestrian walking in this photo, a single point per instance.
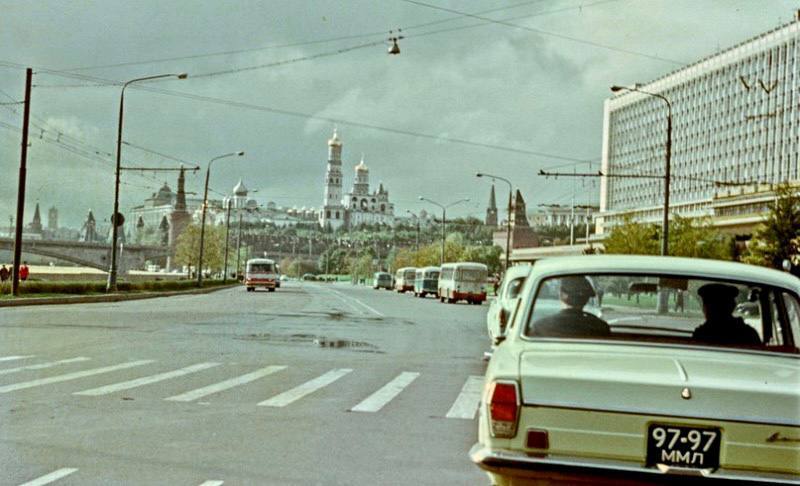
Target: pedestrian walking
pixel 24 271
pixel 4 275
pixel 679 301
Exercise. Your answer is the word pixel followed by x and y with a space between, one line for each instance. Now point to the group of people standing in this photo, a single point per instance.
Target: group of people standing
pixel 6 273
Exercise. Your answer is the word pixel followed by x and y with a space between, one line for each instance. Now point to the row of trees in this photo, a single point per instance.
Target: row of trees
pixel 777 239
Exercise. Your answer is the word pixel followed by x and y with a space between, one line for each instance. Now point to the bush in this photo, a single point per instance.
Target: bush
pixel 42 287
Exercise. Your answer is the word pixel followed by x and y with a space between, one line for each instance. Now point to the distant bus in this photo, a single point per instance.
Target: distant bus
pixel 261 272
pixel 426 281
pixel 404 279
pixel 463 281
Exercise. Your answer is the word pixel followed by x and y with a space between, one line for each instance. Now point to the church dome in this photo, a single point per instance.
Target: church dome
pixel 239 189
pixel 362 167
pixel 334 140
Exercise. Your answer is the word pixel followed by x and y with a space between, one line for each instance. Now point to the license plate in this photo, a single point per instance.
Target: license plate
pixel 693 447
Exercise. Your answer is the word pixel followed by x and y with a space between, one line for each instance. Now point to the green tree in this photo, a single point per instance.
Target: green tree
pixel 187 249
pixel 633 238
pixel 776 239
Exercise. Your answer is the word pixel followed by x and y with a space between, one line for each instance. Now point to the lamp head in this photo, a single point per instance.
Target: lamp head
pixel 240 153
pixel 616 89
pixel 182 76
pixel 479 174
pixel 421 198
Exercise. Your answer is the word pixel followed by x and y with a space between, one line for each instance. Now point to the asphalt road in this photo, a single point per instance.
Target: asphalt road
pixel 312 384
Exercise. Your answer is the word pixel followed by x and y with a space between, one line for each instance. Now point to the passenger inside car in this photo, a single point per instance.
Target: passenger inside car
pixel 720 327
pixel 572 320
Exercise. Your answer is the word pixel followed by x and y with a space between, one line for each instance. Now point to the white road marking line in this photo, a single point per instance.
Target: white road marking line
pixel 213 482
pixel 380 398
pixel 224 385
pixel 468 400
pixel 146 380
pixel 49 478
pixel 306 388
pixel 357 301
pixel 42 366
pixel 15 358
pixel 72 376
pixel 341 297
pixel 368 307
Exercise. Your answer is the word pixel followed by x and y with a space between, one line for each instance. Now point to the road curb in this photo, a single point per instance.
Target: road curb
pixel 88 299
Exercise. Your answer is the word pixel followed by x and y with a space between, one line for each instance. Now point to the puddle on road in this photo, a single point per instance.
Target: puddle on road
pixel 312 339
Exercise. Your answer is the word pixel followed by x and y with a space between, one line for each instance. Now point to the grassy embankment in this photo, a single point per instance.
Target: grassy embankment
pixel 60 289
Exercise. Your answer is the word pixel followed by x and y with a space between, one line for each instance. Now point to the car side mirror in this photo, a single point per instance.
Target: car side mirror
pixel 499 339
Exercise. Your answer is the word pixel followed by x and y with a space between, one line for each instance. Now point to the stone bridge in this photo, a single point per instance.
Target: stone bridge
pixel 94 255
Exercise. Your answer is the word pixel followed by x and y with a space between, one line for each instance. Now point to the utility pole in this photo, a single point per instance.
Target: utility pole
pixel 227 232
pixel 572 212
pixel 238 244
pixel 23 162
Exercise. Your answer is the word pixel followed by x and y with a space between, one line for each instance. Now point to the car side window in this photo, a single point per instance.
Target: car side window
pixel 793 315
pixel 514 287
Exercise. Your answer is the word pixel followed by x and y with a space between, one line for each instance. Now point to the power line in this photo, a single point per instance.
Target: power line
pixel 545 33
pixel 291 44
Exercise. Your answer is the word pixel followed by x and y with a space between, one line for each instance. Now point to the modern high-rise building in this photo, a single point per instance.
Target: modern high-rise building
pixel 735 132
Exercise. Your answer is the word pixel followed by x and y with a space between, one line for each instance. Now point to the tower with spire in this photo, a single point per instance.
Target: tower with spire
pixel 179 218
pixel 491 210
pixel 35 226
pixel 333 213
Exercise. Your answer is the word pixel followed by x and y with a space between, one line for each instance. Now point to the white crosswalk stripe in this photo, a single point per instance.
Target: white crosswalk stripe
pixel 467 402
pixel 126 385
pixel 42 366
pixel 72 376
pixel 225 385
pixel 49 478
pixel 380 398
pixel 15 358
pixel 212 482
pixel 306 388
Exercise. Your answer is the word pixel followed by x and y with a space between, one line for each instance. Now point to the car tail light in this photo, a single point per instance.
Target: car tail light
pixel 503 408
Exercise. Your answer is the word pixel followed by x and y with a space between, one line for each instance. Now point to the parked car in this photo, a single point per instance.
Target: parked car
pixel 462 281
pixel 503 306
pixel 426 281
pixel 382 280
pixel 646 393
pixel 309 276
pixel 404 279
pixel 261 272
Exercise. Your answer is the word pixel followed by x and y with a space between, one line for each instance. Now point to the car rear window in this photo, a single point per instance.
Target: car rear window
pixel 261 268
pixel 658 308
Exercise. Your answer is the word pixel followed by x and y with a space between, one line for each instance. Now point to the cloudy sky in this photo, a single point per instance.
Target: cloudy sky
pixel 465 94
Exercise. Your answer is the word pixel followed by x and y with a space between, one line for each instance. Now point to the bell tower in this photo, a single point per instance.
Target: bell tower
pixel 332 213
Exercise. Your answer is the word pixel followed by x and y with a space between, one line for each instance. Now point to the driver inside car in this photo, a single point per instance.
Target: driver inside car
pixel 572 320
pixel 720 327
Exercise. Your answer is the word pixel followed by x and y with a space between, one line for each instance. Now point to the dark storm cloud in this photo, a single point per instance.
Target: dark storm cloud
pixel 491 84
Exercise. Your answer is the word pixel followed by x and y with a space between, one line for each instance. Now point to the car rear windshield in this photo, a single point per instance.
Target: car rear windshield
pixel 261 268
pixel 656 308
pixel 472 275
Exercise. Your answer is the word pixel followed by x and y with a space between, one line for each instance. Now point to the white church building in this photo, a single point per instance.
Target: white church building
pixel 359 206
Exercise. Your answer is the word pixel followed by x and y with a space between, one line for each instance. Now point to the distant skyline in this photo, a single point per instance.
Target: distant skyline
pixel 536 91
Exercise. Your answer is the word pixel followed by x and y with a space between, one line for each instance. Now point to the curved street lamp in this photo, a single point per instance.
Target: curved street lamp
pixel 111 285
pixel 444 216
pixel 508 219
pixel 203 219
pixel 665 221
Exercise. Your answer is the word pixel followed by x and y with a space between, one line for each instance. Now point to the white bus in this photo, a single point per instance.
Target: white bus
pixel 261 272
pixel 404 279
pixel 463 281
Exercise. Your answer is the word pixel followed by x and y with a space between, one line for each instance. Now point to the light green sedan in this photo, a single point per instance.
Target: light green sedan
pixel 668 383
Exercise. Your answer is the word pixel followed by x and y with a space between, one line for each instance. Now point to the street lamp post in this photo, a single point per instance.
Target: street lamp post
pixel 111 285
pixel 444 218
pixel 508 219
pixel 417 219
pixel 665 222
pixel 227 232
pixel 203 218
